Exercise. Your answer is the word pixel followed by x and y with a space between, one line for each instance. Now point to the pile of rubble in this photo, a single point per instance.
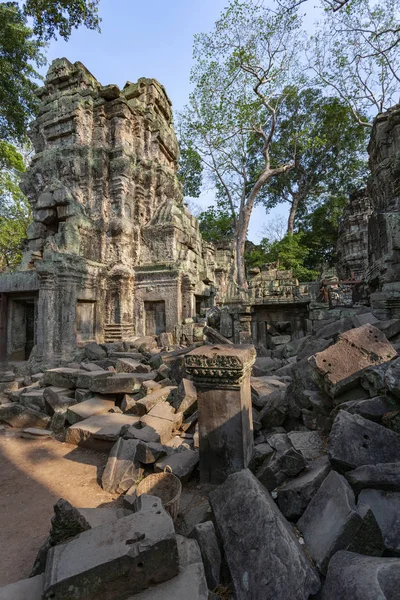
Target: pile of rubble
pixel 313 515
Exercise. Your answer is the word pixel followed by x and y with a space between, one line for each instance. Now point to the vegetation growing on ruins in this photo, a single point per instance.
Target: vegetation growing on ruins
pixel 21 54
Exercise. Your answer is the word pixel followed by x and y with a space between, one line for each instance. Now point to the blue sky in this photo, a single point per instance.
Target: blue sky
pixel 149 39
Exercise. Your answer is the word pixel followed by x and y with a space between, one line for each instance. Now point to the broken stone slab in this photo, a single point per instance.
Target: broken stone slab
pixel 340 367
pixel 359 577
pixel 100 516
pixel 274 410
pixel 57 399
pixel 144 405
pixel 331 521
pixel 150 386
pixel 123 468
pixel 190 583
pixel 116 559
pixel 373 379
pixel 138 356
pixel 384 477
pixel 95 352
pixel 205 536
pixel 264 365
pixel 185 397
pixel 120 383
pixel 279 467
pixel 293 497
pixel 181 464
pixel 215 337
pixel 164 410
pixel 88 408
pixel 129 365
pixel 20 416
pixel 392 378
pixel 99 432
pixel 355 441
pixel 332 330
pixel 62 377
pixel 35 432
pixel 90 366
pixel 373 409
pixel 309 443
pixel 390 328
pixel 26 589
pixel 33 399
pixel 386 508
pixel 161 427
pixel 87 378
pixel 149 453
pixel 265 559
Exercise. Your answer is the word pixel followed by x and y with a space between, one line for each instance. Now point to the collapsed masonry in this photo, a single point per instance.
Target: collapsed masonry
pixel 113 253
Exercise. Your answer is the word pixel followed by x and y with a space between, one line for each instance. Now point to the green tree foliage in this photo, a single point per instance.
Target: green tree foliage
pixel 14 208
pixel 329 148
pixel 52 17
pixel 240 75
pixel 216 224
pixel 190 171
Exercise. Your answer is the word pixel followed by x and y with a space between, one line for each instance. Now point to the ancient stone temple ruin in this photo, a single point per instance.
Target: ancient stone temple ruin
pixel 112 250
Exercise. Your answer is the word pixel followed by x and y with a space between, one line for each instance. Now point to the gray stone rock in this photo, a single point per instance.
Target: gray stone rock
pixel 185 397
pixel 373 380
pixel 190 583
pixel 100 516
pixel 384 477
pixel 181 464
pixel 392 378
pixel 356 577
pixel 99 432
pixel 88 408
pixel 114 560
pixel 95 352
pixel 149 453
pixel 26 589
pixel 294 496
pixel 279 467
pixel 274 409
pixel 355 441
pixel 309 443
pixel 373 409
pixel 205 536
pixel 120 383
pixel 386 509
pixel 62 377
pixel 264 557
pixel 330 521
pixel 20 416
pixel 123 468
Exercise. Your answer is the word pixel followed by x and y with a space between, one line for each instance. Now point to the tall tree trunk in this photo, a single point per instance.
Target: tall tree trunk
pixel 292 214
pixel 241 235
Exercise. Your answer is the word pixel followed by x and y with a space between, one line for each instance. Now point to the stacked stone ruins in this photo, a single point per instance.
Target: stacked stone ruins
pixel 251 437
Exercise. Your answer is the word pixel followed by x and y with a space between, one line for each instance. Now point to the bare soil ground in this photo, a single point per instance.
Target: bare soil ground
pixel 34 474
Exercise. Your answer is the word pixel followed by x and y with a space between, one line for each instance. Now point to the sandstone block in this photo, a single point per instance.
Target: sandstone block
pixel 205 536
pixel 16 415
pixel 341 366
pixel 95 352
pixel 355 441
pixel 181 464
pixel 114 560
pixel 386 508
pixel 62 377
pixel 244 510
pixel 122 468
pixel 185 397
pixel 392 378
pixel 26 589
pixel 144 405
pixel 120 383
pixel 279 467
pixel 99 432
pixel 381 476
pixel 88 408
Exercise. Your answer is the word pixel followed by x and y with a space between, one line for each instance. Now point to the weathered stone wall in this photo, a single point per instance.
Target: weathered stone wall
pixel 384 224
pixel 352 247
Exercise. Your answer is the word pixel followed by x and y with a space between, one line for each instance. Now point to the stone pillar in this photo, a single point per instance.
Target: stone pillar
pixel 221 375
pixel 46 320
pixel 67 294
pixel 3 327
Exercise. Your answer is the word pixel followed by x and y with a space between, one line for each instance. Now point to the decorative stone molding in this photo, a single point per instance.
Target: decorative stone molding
pixel 221 365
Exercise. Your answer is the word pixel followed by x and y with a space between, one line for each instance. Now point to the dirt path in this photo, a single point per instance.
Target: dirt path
pixel 34 474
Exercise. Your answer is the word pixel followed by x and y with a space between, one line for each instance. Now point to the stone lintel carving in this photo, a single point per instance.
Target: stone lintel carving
pixel 221 365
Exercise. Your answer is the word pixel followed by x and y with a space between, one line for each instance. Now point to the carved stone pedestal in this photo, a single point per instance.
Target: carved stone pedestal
pixel 221 375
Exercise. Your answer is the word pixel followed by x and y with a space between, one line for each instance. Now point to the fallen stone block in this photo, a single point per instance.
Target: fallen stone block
pixel 132 355
pixel 331 521
pixel 95 352
pixel 355 441
pixel 181 464
pixel 88 408
pixel 123 468
pixel 332 330
pixel 151 452
pixel 129 365
pixel 62 377
pixel 373 379
pixel 35 432
pixel 114 560
pixel 26 589
pixel 279 467
pixel 87 378
pixel 274 409
pixel 310 444
pixel 392 378
pixel 373 409
pixel 90 366
pixel 293 497
pixel 100 516
pixel 161 427
pixel 120 383
pixel 20 416
pixel 164 410
pixel 33 399
pixel 384 477
pixel 340 367
pixel 265 559
pixel 150 386
pixel 386 508
pixel 190 583
pixel 205 536
pixel 144 405
pixel 185 397
pixel 390 328
pixel 359 577
pixel 57 399
pixel 99 432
